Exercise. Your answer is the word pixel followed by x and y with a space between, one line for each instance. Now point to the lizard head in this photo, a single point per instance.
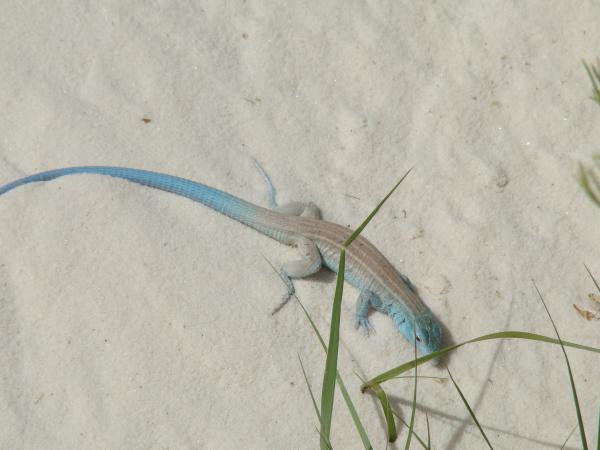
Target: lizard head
pixel 428 334
pixel 424 330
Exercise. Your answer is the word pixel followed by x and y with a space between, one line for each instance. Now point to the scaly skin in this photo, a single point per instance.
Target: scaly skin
pixel 381 286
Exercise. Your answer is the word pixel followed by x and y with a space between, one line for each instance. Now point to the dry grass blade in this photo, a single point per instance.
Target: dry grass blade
pixel 587 315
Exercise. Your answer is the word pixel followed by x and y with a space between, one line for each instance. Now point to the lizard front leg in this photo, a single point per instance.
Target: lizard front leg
pixel 363 305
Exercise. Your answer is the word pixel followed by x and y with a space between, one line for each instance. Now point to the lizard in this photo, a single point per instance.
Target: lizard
pixel 319 242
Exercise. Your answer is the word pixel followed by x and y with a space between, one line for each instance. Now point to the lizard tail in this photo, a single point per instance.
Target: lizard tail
pixel 222 202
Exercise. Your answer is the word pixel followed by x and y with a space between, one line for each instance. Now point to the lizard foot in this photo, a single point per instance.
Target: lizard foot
pixel 291 291
pixel 365 324
pixel 284 300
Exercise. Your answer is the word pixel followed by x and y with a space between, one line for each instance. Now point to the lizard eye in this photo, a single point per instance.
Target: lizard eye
pixel 424 336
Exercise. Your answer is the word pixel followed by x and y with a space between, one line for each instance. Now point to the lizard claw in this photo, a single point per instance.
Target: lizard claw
pixel 291 290
pixel 284 300
pixel 365 324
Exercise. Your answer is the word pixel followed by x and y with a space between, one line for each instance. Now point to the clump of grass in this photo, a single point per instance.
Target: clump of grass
pixel 331 374
pixel 587 175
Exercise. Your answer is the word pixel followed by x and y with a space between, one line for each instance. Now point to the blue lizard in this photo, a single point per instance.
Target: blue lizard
pixel 381 286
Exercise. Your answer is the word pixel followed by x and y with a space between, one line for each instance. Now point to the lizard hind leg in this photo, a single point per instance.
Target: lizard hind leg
pixel 271 191
pixel 363 305
pixel 310 263
pixel 291 209
pixel 300 209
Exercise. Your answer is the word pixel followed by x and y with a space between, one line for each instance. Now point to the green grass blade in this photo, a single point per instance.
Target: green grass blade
pixel 595 180
pixel 314 326
pixel 592 277
pixel 330 375
pixel 568 437
pixel 428 434
pixel 355 417
pixel 596 72
pixel 584 181
pixel 425 377
pixel 399 370
pixel 594 78
pixel 328 390
pixel 573 389
pixel 416 436
pixel 593 184
pixel 392 433
pixel 598 443
pixel 310 389
pixel 414 433
pixel 327 443
pixel 469 409
pixel 375 211
pixel 357 423
pixel 414 403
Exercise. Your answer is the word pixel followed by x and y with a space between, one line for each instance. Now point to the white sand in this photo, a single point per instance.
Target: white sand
pixel 134 319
